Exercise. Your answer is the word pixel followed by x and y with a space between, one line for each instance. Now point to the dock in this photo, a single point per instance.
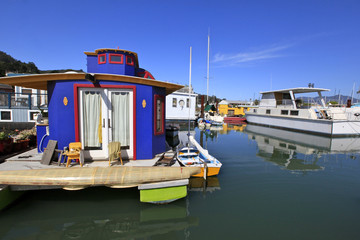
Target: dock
pixel 157 184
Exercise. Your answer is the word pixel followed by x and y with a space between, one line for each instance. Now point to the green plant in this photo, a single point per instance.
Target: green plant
pixel 3 136
pixel 26 134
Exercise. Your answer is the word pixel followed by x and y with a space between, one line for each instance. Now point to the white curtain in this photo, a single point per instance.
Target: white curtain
pixel 120 118
pixel 92 118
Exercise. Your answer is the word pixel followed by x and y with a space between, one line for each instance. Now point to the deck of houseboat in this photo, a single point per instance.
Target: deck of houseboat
pixel 32 160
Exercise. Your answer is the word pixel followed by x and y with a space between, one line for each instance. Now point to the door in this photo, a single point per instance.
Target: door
pixel 106 115
pixel 120 120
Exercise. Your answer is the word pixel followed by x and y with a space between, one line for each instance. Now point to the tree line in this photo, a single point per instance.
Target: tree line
pixel 10 64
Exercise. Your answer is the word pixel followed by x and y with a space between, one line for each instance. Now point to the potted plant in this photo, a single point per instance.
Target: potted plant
pixel 25 136
pixel 5 142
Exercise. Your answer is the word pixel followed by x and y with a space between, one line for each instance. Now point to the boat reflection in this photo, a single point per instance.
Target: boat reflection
pixel 227 128
pixel 297 151
pixel 97 213
pixel 210 185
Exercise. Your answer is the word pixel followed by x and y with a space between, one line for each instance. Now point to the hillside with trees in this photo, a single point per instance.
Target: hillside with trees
pixel 10 64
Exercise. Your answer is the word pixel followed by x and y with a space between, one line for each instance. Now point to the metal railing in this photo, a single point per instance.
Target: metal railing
pixel 12 100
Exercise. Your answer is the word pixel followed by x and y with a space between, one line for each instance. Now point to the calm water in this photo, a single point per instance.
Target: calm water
pixel 291 186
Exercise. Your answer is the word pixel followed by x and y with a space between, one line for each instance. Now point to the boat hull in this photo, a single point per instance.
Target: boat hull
pixel 120 177
pixel 324 127
pixel 211 171
pixel 235 120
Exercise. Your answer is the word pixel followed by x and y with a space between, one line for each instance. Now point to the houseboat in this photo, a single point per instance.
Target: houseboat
pixel 180 105
pixel 115 101
pixel 280 109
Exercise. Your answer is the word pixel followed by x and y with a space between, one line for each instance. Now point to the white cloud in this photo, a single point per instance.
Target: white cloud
pixel 251 56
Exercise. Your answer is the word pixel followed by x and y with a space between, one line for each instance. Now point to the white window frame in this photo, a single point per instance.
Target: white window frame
pixel 32 111
pixel 11 115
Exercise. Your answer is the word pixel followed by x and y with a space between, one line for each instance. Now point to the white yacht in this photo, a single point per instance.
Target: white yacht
pixel 280 109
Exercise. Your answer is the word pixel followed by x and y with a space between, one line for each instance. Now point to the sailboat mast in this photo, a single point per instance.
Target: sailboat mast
pixel 189 89
pixel 207 75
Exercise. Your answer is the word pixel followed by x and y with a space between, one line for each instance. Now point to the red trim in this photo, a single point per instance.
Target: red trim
pixel 132 58
pixel 156 97
pixel 140 74
pixel 145 74
pixel 115 54
pixel 148 75
pixel 76 108
pixel 101 55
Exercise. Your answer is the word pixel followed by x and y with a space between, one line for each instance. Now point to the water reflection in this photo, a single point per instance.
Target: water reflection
pixel 227 128
pixel 211 184
pixel 297 151
pixel 96 213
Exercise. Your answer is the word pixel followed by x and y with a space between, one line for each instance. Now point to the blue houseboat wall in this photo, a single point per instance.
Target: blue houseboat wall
pixel 113 61
pixel 113 77
pixel 63 116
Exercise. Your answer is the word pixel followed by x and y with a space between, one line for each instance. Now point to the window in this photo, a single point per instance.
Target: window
pixel 268 111
pixel 32 115
pixel 187 102
pixel 174 104
pixel 5 116
pixel 116 58
pixel 130 60
pixel 26 91
pixel 254 111
pixel 284 112
pixel 292 147
pixel 294 113
pixel 101 58
pixel 282 145
pixel 159 115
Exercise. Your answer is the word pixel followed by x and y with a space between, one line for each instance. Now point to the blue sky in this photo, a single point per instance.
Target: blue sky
pixel 255 45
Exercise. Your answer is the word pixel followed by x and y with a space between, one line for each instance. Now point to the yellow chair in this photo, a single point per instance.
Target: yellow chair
pixel 114 152
pixel 73 153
